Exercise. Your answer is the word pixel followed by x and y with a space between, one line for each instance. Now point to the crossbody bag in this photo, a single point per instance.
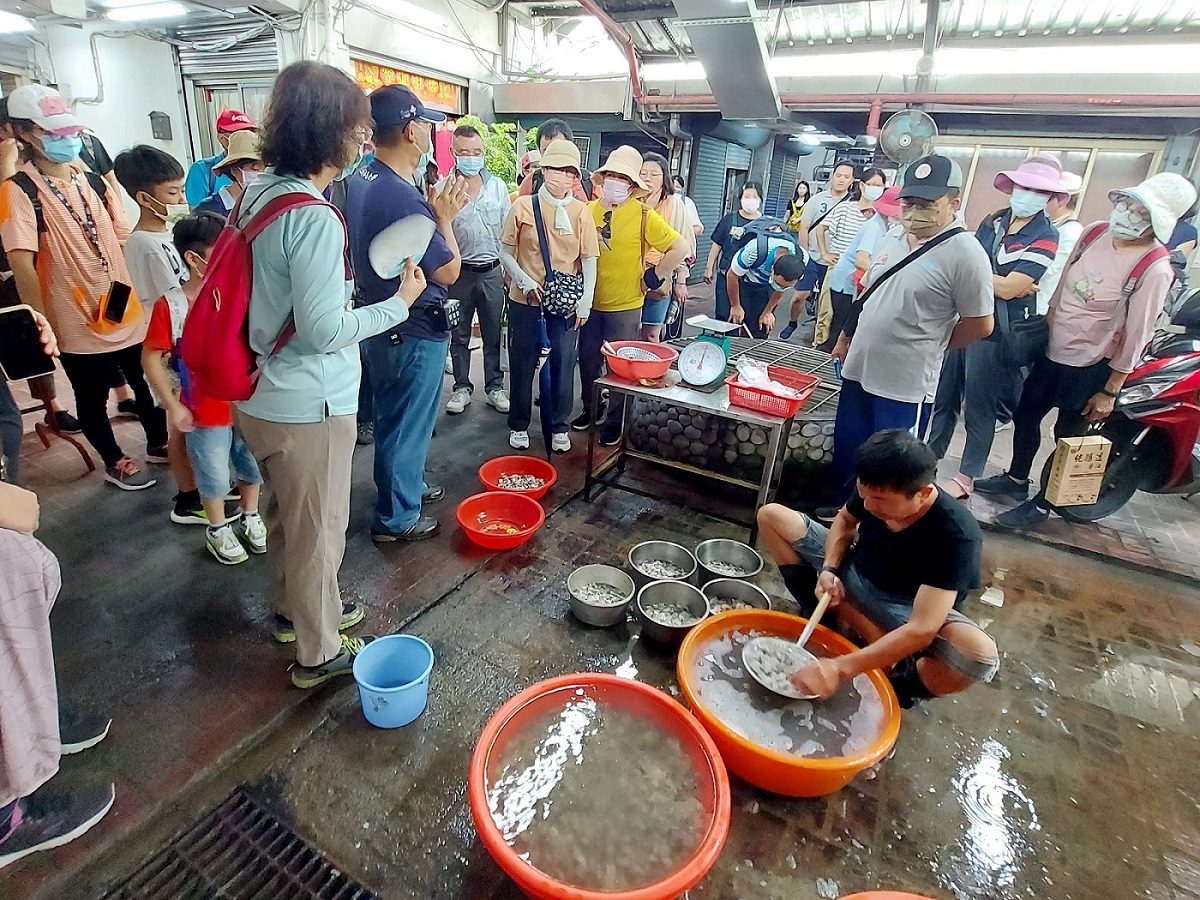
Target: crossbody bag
pixel 561 292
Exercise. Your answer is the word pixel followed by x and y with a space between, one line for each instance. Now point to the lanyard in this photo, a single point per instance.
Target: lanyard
pixel 87 223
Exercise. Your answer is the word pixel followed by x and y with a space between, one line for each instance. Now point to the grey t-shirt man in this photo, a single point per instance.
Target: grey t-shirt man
pixel 813 210
pixel 905 326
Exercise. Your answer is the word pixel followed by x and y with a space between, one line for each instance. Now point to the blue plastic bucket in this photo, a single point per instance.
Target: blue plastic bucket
pixel 392 673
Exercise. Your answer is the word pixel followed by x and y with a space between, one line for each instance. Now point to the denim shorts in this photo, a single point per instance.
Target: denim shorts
pixel 654 312
pixel 219 455
pixel 890 611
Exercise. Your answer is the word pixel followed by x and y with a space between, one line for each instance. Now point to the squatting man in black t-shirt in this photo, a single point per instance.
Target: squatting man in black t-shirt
pixel 897 561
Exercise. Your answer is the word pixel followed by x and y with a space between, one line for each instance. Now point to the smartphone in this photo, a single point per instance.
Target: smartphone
pixel 21 352
pixel 118 302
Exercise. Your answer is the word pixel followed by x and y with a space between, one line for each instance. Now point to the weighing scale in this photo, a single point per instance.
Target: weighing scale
pixel 704 362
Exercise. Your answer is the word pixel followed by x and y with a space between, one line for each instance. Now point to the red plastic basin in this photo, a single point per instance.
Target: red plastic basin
pixel 636 697
pixel 493 470
pixel 636 369
pixel 499 509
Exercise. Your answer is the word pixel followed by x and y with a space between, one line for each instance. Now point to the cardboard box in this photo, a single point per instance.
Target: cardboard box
pixel 1078 470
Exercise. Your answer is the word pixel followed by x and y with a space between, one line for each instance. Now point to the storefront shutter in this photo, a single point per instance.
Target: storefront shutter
pixel 708 189
pixel 781 182
pixel 245 45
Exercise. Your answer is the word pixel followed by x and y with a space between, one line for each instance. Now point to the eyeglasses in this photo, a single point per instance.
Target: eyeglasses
pixel 362 135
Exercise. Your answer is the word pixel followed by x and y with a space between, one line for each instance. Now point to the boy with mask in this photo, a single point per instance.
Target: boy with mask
pixel 155 182
pixel 66 256
pixel 241 165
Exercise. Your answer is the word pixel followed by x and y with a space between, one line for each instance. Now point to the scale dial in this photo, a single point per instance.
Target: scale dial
pixel 702 362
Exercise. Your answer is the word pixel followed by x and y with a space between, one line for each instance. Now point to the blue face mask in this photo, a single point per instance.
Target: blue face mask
pixel 469 165
pixel 1026 204
pixel 61 148
pixel 359 159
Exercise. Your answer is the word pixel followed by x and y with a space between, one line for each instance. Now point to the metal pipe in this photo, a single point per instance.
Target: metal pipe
pixel 621 36
pixel 873 118
pixel 1115 101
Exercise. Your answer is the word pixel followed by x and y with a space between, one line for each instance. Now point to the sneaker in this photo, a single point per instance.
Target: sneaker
pixel 61 420
pixel 583 421
pixel 366 434
pixel 51 817
pixel 610 435
pixel 188 509
pixel 157 455
pixel 1003 486
pixel 255 531
pixel 78 730
pixel 459 400
pixel 789 330
pixel 498 400
pixel 310 676
pixel 1003 426
pixel 425 527
pixel 560 443
pixel 128 475
pixel 1024 517
pixel 449 365
pixel 223 544
pixel 127 409
pixel 518 440
pixel 432 494
pixel 826 514
pixel 285 631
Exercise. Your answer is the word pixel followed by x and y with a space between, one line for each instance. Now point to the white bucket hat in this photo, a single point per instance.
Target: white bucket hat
pixel 1166 196
pixel 625 161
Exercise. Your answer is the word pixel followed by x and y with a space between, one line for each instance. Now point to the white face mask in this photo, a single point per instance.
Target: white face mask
pixel 173 212
pixel 751 204
pixel 1127 224
pixel 872 191
pixel 247 176
pixel 1026 204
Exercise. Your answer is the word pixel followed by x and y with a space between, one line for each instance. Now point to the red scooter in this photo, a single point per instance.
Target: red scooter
pixel 1154 424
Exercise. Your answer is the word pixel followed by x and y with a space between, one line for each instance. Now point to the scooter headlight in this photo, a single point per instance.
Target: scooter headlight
pixel 1140 393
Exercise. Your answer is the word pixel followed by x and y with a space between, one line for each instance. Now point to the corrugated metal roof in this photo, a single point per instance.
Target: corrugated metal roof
pixel 887 22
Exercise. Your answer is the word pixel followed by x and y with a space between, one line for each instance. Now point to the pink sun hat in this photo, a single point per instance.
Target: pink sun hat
pixel 1040 172
pixel 889 203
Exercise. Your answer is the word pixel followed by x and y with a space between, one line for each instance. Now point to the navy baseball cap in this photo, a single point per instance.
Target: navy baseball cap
pixel 931 178
pixel 395 104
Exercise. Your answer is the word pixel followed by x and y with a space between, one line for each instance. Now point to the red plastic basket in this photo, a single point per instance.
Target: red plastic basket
pixel 762 401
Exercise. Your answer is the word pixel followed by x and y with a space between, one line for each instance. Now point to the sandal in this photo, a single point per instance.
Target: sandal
pixel 967 490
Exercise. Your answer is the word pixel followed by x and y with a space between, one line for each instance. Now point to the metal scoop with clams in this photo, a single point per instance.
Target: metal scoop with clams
pixel 771 660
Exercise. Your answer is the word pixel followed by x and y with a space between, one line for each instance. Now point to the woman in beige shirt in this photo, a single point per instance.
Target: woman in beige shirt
pixel 670 206
pixel 573 247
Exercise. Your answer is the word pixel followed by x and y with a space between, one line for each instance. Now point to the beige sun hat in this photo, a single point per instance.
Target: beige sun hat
pixel 562 154
pixel 243 146
pixel 623 161
pixel 1166 196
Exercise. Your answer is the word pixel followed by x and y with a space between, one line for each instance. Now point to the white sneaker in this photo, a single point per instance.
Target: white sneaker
pixel 449 365
pixel 255 530
pixel 498 399
pixel 560 443
pixel 224 545
pixel 458 401
pixel 518 440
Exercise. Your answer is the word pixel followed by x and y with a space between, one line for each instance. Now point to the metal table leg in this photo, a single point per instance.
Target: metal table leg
pixel 589 480
pixel 770 462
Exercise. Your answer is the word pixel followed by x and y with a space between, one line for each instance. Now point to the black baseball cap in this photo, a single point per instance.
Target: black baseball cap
pixel 395 104
pixel 931 178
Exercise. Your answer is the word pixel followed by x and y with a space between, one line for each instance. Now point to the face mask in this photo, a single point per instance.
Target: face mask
pixel 615 192
pixel 778 285
pixel 556 182
pixel 198 264
pixel 920 222
pixel 751 204
pixel 353 167
pixel 872 191
pixel 62 148
pixel 172 212
pixel 1126 224
pixel 469 165
pixel 1026 204
pixel 427 153
pixel 248 176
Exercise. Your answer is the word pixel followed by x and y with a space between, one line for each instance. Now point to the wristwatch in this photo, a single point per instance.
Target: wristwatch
pixel 833 570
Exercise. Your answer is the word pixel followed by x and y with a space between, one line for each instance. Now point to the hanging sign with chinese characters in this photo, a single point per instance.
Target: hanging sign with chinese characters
pixel 433 92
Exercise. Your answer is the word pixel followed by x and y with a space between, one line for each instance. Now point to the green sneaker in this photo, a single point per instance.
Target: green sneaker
pixel 285 632
pixel 310 676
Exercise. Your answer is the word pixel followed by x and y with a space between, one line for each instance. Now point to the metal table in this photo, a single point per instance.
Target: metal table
pixel 608 472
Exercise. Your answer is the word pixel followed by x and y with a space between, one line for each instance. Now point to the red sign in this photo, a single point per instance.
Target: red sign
pixel 433 92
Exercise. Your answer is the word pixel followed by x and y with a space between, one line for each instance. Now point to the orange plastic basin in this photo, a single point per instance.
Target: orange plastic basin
pixel 781 773
pixel 486 518
pixel 886 895
pixel 493 470
pixel 638 369
pixel 633 696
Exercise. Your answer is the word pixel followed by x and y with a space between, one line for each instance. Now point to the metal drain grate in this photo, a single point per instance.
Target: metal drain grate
pixel 238 851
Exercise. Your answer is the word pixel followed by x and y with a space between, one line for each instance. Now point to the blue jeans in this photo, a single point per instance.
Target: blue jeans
pixel 214 453
pixel 366 405
pixel 859 415
pixel 407 381
pixel 979 380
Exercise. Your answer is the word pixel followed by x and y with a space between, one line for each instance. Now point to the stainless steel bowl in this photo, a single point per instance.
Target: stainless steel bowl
pixel 679 593
pixel 665 551
pixel 734 589
pixel 601 616
pixel 734 553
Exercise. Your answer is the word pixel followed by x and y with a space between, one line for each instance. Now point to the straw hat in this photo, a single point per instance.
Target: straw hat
pixel 243 146
pixel 623 161
pixel 562 154
pixel 1040 172
pixel 1166 195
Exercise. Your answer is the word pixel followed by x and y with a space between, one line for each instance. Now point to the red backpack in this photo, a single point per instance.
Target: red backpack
pixel 216 336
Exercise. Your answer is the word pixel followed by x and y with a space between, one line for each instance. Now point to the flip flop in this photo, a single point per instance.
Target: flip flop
pixel 966 490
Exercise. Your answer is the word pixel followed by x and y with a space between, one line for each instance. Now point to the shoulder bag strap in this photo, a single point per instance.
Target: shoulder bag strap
pixel 821 218
pixel 543 244
pixel 645 216
pixel 856 309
